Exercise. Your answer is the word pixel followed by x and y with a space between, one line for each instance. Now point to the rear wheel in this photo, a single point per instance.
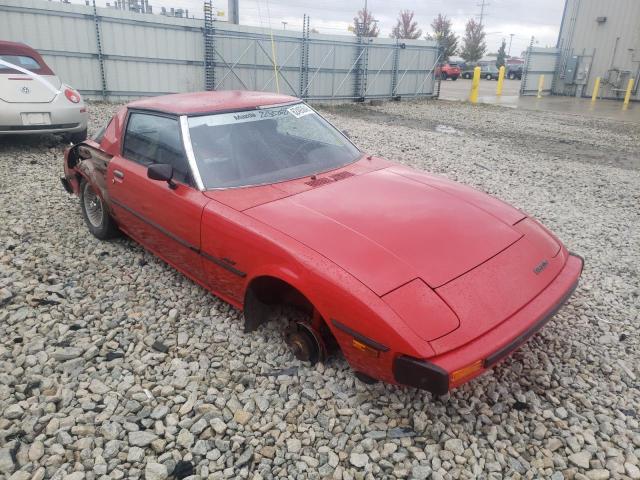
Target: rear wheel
pixel 76 137
pixel 512 76
pixel 453 79
pixel 488 76
pixel 95 213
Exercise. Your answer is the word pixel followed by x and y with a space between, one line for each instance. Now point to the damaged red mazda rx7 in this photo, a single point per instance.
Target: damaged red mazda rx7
pixel 418 280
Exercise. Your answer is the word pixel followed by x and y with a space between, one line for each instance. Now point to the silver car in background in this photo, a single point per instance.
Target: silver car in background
pixel 34 100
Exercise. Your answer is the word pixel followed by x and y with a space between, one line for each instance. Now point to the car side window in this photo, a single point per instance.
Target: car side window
pixel 153 139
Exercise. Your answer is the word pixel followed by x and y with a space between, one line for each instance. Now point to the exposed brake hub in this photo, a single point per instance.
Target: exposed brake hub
pixel 306 343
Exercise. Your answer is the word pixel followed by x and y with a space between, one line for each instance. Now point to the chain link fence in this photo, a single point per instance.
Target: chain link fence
pixel 118 55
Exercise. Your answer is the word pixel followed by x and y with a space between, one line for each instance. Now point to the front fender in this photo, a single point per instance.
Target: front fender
pixel 350 311
pixel 260 250
pixel 255 309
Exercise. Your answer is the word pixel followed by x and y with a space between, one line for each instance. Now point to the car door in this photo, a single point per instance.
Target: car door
pixel 163 219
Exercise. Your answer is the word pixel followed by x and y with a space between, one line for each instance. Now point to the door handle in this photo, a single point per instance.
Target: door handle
pixel 118 174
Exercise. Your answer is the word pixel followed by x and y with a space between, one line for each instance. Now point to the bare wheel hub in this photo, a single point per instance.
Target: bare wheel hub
pixel 306 344
pixel 300 346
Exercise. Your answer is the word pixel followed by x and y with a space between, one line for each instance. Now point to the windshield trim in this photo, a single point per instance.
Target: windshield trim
pixel 241 109
pixel 188 148
pixel 186 137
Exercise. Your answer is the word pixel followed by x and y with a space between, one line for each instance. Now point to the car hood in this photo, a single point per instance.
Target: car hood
pixel 393 225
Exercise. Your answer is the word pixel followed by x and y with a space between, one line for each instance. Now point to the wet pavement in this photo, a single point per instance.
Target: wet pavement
pixel 612 109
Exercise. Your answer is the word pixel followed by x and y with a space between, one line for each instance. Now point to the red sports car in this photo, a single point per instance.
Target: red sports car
pixel 418 280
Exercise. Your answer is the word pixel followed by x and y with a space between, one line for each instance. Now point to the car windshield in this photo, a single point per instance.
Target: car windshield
pixel 266 145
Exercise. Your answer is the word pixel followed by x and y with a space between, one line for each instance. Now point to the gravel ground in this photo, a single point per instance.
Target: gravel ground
pixel 83 394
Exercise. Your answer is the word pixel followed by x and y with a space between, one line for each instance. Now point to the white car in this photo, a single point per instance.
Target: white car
pixel 34 100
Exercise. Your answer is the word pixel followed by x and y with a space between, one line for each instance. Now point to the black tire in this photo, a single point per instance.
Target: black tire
pixel 95 213
pixel 453 79
pixel 76 137
pixel 511 76
pixel 488 76
pixel 443 76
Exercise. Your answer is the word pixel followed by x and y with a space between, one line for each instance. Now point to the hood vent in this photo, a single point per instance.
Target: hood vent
pixel 342 175
pixel 318 182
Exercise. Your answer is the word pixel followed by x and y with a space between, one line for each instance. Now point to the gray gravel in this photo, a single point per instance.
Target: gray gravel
pixel 84 395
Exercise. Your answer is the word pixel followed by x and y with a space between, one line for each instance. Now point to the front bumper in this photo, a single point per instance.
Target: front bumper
pixel 435 374
pixel 64 117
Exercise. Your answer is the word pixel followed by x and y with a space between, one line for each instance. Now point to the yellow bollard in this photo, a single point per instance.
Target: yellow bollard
pixel 500 81
pixel 596 90
pixel 540 85
pixel 475 83
pixel 627 96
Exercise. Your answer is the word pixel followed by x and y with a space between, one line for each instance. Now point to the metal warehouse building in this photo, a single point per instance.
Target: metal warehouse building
pixel 598 38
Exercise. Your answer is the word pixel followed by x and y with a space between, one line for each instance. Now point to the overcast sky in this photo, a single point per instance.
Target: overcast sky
pixel 540 18
pixel 523 18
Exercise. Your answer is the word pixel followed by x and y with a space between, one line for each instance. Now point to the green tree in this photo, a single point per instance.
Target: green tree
pixel 368 22
pixel 443 33
pixel 474 45
pixel 502 54
pixel 406 27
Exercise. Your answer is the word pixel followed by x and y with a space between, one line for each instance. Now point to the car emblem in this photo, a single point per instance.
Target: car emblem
pixel 25 90
pixel 540 267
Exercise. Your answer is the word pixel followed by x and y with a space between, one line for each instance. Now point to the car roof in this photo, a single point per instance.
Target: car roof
pixel 200 103
pixel 15 48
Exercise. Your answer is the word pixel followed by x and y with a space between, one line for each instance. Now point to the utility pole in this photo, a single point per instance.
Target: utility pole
pixel 284 25
pixel 482 7
pixel 510 40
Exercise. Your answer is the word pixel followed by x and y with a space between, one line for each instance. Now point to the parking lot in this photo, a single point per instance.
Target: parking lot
pixel 611 109
pixel 82 390
pixel 459 89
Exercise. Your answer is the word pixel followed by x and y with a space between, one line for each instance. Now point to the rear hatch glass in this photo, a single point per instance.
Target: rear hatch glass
pixel 18 87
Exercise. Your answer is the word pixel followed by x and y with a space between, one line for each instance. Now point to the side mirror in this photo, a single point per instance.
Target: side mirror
pixel 162 172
